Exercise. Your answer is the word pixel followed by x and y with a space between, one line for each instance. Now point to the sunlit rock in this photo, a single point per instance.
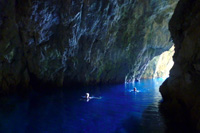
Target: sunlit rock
pixel 160 66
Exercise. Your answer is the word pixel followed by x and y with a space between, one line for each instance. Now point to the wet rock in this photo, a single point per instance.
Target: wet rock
pixel 93 41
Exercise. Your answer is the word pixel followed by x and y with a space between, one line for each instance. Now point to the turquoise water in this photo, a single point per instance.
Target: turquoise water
pixel 120 110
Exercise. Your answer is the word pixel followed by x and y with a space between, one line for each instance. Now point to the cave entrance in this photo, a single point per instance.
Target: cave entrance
pixel 160 66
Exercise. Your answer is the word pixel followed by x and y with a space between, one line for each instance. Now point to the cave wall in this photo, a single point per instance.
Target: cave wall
pixel 181 91
pixel 87 41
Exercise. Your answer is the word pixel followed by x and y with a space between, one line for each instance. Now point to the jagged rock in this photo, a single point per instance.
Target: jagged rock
pixel 181 92
pixel 87 41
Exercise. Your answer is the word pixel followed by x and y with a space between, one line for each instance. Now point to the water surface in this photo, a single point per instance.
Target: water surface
pixel 120 110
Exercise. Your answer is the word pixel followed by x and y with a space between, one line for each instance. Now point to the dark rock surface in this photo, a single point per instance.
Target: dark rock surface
pixel 85 41
pixel 181 91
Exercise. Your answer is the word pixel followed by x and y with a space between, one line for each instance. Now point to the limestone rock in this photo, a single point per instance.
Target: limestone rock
pixel 160 66
pixel 82 41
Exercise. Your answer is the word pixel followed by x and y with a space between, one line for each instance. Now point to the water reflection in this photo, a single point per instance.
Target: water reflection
pixel 119 110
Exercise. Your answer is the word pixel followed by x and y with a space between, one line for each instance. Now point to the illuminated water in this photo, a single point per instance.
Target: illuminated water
pixel 119 110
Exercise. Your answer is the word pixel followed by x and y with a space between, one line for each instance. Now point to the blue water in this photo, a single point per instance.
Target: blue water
pixel 120 110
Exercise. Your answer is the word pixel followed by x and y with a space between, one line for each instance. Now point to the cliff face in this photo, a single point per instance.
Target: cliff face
pixel 160 66
pixel 88 41
pixel 181 91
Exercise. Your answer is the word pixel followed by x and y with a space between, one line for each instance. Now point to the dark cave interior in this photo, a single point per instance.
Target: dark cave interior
pixel 63 43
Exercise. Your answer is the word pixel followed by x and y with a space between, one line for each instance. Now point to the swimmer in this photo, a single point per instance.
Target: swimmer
pixel 134 89
pixel 87 97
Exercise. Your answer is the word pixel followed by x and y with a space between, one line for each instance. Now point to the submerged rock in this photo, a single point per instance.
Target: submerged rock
pixel 181 92
pixel 87 41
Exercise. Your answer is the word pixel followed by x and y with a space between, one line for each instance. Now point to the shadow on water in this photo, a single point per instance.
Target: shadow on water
pixel 154 116
pixel 151 121
pixel 43 111
pixel 130 125
pixel 176 121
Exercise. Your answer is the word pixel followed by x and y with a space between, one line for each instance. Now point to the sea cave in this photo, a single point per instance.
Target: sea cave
pixel 100 66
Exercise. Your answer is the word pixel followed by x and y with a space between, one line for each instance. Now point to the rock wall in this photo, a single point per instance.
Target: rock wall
pixel 181 91
pixel 85 41
pixel 160 66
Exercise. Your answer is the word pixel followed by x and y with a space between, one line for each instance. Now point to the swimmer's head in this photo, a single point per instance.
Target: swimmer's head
pixel 87 95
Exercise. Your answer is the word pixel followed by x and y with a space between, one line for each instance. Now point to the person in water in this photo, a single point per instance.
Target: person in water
pixel 87 95
pixel 134 89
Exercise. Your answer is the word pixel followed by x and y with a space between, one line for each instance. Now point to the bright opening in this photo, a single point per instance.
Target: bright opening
pixel 160 66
